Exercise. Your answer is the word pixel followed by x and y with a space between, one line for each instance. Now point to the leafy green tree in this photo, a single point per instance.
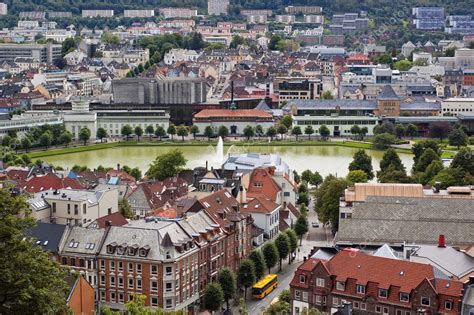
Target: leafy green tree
pixel 324 132
pixel 26 143
pixel 259 130
pixel 419 148
pixel 327 199
pixel 138 131
pixel 46 139
pixel 136 173
pixel 6 140
pixel 125 209
pixel 392 175
pixel 270 253
pixel 301 227
pixel 149 130
pixel 278 308
pixel 223 131
pixel 126 131
pixel 385 127
pixel 362 161
pixel 109 38
pixel 208 132
pixel 213 297
pixel 196 42
pixel 283 245
pixel 464 159
pixel 453 177
pixel 65 138
pixel 293 238
pixel 160 132
pixel 400 130
pixel 249 132
pixel 403 65
pixel 246 274
pixel 432 170
pixel 68 46
pixel 167 165
pixel 101 133
pixel 457 138
pixel 426 158
pixel 259 262
pixel 182 132
pixel 327 95
pixel 309 131
pixel 271 132
pixel 384 140
pixel 30 282
pixel 282 130
pixel 363 132
pixel 385 59
pixel 357 176
pixel 237 41
pixel 440 130
pixel 296 131
pixel 355 130
pixel 287 121
pixel 391 158
pixel 227 281
pixel 420 62
pixel 411 130
pixel 194 130
pixel 171 131
pixel 84 135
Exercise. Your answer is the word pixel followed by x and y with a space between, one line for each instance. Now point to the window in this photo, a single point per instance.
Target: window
pixel 335 301
pixel 169 271
pixel 130 267
pixel 169 303
pixel 130 283
pixel 305 296
pixel 120 297
pixel 120 266
pixel 168 287
pixel 139 268
pixel 302 278
pixel 356 305
pixel 318 299
pixel 448 305
pixel 360 289
pixel 154 286
pixel 320 282
pixel 112 281
pixel 64 261
pixel 68 208
pixel 84 209
pixel 383 293
pixel 363 306
pixel 154 301
pixel 399 312
pixel 54 207
pixel 113 297
pixel 112 265
pixel 378 309
pixel 76 209
pixel 404 297
pixel 385 310
pixel 425 301
pixel 139 284
pixel 340 286
pixel 102 279
pixel 120 282
pixel 297 295
pixel 102 296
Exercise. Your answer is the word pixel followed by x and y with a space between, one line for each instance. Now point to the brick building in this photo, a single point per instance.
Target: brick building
pixel 373 285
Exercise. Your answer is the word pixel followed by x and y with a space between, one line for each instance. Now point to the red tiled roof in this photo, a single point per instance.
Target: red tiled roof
pixel 170 213
pixel 260 205
pixel 50 181
pixel 123 176
pixel 247 113
pixel 268 188
pixel 115 219
pixel 448 287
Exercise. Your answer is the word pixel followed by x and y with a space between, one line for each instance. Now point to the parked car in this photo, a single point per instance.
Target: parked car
pixel 315 224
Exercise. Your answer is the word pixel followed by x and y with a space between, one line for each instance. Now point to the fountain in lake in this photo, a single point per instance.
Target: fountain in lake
pixel 220 151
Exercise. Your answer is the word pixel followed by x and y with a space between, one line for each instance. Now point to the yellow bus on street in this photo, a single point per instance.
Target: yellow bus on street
pixel 262 288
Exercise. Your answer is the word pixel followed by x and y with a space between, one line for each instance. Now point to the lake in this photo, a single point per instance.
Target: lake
pixel 324 159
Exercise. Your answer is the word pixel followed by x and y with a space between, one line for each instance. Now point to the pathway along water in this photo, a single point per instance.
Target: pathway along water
pixel 324 159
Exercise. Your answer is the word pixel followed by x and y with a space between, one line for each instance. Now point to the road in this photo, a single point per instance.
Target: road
pixel 315 237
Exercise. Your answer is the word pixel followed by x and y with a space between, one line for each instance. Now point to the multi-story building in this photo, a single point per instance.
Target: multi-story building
pixel 256 12
pixel 175 55
pixel 59 15
pixel 299 90
pixel 373 285
pixel 97 13
pixel 461 24
pixel 3 8
pixel 33 15
pixel 45 53
pixel 464 59
pixel 428 18
pixel 285 19
pixel 73 207
pixel 304 9
pixel 217 7
pixel 314 19
pixel 348 23
pixel 185 13
pixel 138 13
pixel 257 19
pixel 457 105
pixel 266 215
pixel 59 36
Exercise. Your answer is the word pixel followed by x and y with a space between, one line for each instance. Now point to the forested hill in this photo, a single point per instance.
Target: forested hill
pixel 378 8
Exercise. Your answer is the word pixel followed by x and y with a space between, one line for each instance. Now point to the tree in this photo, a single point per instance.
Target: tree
pixel 29 280
pixel 440 130
pixel 403 65
pixel 46 139
pixel 355 130
pixel 84 135
pixel 457 138
pixel 328 198
pixel 420 62
pixel 237 41
pixel 259 130
pixel 296 131
pixel 223 131
pixel 426 158
pixel 411 130
pixel 65 138
pixel 125 209
pixel 301 227
pixel 293 238
pixel 258 260
pixel 160 132
pixel 68 46
pixel 283 245
pixel 208 132
pixel 392 175
pixel 270 253
pixel 196 42
pixel 213 297
pixel 383 140
pixel 171 131
pixel 357 176
pixel 182 132
pixel 226 279
pixel 149 130
pixel 26 143
pixel 126 131
pixel 6 140
pixel 167 165
pixel 138 131
pixel 101 133
pixel 136 173
pixel 327 95
pixel 431 171
pixel 385 127
pixel 453 177
pixel 309 131
pixel 363 132
pixel 464 159
pixel 246 274
pixel 287 121
pixel 400 130
pixel 249 132
pixel 385 59
pixel 324 132
pixel 194 130
pixel 271 132
pixel 282 130
pixel 362 161
pixel 391 158
pixel 419 148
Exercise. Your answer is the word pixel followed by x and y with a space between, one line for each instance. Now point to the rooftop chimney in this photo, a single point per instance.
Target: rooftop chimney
pixel 441 241
pixel 108 223
pixel 118 166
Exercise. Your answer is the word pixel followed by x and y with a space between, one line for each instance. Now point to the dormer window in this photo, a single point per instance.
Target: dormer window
pixel 425 301
pixel 383 293
pixel 110 249
pixel 404 297
pixel 302 278
pixel 132 251
pixel 168 255
pixel 340 286
pixel 120 250
pixel 360 289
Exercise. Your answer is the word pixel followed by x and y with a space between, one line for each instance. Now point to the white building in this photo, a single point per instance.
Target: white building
pixel 217 7
pixel 266 215
pixel 59 36
pixel 3 9
pixel 285 19
pixel 97 13
pixel 170 13
pixel 408 48
pixel 314 19
pixel 457 105
pixel 175 55
pixel 421 55
pixel 138 13
pixel 257 19
pixel 73 207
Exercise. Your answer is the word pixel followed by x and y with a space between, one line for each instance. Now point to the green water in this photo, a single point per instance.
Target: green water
pixel 324 159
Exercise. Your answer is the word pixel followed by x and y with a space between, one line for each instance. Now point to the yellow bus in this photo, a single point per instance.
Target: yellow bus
pixel 264 286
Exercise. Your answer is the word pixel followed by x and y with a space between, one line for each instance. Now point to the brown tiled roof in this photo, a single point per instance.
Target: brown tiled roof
pixel 268 188
pixel 50 181
pixel 260 205
pixel 223 208
pixel 115 219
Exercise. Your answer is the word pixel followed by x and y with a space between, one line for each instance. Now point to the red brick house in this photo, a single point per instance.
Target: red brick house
pixel 373 285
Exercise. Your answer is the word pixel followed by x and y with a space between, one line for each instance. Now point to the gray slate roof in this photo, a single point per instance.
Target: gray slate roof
pixel 388 93
pixel 48 235
pixel 331 104
pixel 83 240
pixel 412 220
